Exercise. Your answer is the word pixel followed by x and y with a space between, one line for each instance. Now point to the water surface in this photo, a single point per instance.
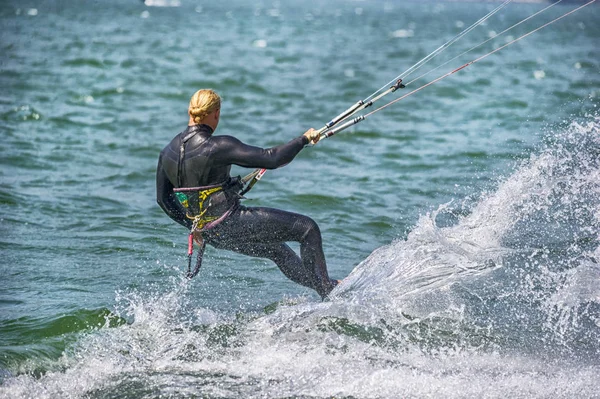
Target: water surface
pixel 466 216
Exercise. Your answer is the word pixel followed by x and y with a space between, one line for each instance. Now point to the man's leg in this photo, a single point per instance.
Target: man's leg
pixel 262 231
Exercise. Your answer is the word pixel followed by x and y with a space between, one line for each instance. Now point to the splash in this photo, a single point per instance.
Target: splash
pixel 528 249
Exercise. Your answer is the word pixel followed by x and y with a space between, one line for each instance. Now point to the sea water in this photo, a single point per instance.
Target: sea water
pixel 465 218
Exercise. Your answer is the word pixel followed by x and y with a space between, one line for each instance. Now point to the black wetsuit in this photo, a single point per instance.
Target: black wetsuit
pixel 254 231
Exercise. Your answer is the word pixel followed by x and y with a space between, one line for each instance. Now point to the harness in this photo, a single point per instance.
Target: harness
pixel 198 204
pixel 205 206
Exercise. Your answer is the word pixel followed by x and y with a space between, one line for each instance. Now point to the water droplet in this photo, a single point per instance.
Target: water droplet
pixel 403 33
pixel 260 43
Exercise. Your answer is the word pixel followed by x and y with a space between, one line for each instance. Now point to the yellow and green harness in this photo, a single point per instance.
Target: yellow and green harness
pixel 208 206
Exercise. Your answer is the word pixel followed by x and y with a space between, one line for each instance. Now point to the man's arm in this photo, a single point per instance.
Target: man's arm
pixel 166 198
pixel 233 151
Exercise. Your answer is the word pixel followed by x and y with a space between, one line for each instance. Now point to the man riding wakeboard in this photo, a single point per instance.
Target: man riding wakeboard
pixel 194 187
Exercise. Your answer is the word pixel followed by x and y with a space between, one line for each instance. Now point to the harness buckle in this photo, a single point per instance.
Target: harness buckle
pixel 397 85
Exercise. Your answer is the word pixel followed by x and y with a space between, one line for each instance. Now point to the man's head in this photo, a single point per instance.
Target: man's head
pixel 205 107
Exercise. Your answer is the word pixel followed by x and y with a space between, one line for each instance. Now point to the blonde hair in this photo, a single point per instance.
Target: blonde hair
pixel 203 102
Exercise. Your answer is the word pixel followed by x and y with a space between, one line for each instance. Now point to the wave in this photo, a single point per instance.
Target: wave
pixel 520 252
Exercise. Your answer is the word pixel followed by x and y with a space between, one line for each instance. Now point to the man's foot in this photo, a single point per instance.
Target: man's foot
pixel 332 284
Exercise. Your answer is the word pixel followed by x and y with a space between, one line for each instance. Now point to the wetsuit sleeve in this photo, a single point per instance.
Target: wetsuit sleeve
pixel 166 198
pixel 233 151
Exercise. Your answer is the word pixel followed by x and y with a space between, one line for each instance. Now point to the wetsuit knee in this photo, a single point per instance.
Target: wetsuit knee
pixel 310 230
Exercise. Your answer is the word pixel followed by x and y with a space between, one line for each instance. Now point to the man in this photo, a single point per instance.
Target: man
pixel 194 187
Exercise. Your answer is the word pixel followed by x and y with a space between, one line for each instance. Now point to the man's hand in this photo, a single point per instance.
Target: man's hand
pixel 312 135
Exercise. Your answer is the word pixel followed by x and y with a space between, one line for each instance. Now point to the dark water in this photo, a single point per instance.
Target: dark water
pixel 466 216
